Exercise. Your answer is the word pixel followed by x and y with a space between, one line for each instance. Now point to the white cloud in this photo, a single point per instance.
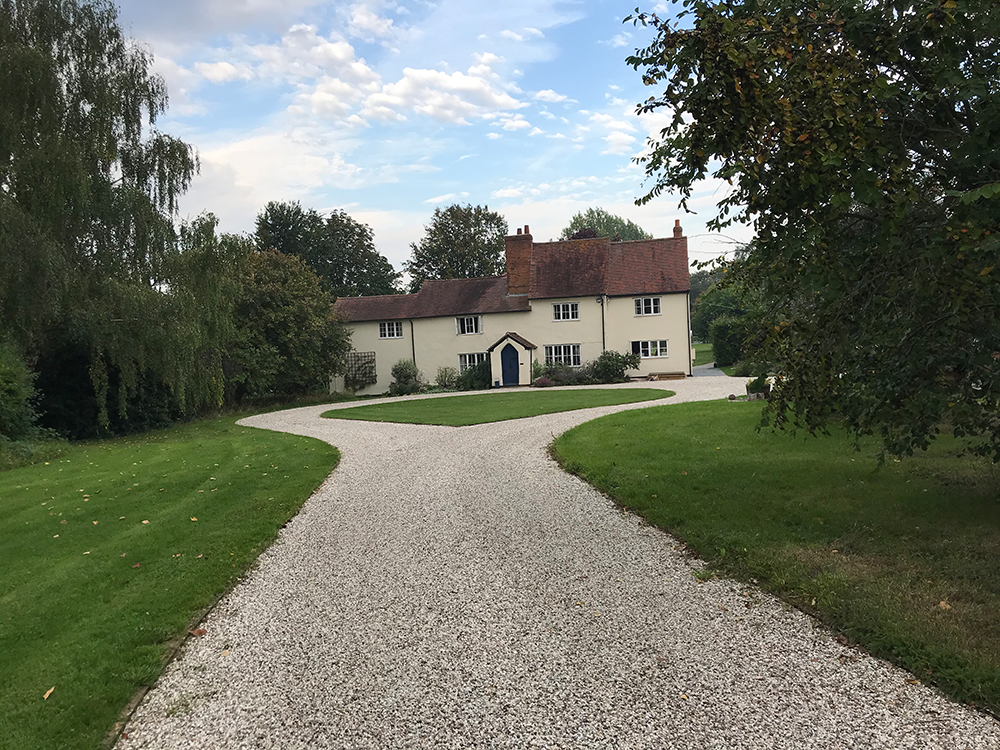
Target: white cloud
pixel 611 123
pixel 533 32
pixel 447 97
pixel 506 193
pixel 224 72
pixel 618 143
pixel 493 136
pixel 618 40
pixel 446 197
pixel 367 25
pixel 516 123
pixel 548 95
pixel 513 35
pixel 537 131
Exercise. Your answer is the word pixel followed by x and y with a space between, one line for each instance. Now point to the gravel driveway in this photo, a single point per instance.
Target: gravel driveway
pixel 451 587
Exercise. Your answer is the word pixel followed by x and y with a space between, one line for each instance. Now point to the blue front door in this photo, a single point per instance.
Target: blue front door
pixel 508 365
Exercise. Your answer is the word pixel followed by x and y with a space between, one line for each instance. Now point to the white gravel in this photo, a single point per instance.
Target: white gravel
pixel 452 588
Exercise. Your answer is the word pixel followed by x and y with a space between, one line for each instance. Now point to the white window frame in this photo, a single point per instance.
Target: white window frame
pixel 647 306
pixel 653 349
pixel 562 311
pixel 462 323
pixel 390 329
pixel 558 354
pixel 470 360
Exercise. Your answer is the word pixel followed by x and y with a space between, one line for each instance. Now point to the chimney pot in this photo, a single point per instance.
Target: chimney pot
pixel 678 232
pixel 519 230
pixel 526 230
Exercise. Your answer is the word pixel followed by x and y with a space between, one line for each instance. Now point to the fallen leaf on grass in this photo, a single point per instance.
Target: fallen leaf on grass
pixel 121 518
pixel 95 523
pixel 87 552
pixel 63 521
pixel 197 557
pixel 145 521
pixel 193 518
pixel 198 632
pixel 944 605
pixel 225 652
pixel 48 693
pixel 137 565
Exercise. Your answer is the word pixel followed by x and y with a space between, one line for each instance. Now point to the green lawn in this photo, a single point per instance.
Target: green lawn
pixel 458 411
pixel 703 354
pixel 902 558
pixel 112 548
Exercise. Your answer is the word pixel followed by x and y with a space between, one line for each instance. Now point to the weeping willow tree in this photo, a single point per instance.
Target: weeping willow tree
pixel 88 191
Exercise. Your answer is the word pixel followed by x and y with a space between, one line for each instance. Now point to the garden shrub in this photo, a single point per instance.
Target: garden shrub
pixel 610 367
pixel 726 334
pixel 406 378
pixel 475 378
pixel 17 392
pixel 446 377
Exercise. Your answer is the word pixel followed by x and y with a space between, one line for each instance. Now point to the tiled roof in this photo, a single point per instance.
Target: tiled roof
pixel 514 336
pixel 573 268
pixel 436 298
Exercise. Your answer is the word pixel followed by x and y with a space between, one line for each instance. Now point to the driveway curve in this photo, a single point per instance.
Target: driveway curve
pixel 453 588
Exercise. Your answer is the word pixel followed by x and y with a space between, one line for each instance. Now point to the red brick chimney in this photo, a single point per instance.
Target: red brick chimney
pixel 518 248
pixel 678 232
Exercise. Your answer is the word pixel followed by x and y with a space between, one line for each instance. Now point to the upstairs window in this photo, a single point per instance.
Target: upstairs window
pixel 566 311
pixel 390 329
pixel 647 306
pixel 469 324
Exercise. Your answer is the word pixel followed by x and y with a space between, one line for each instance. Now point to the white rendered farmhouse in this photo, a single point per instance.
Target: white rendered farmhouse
pixel 562 302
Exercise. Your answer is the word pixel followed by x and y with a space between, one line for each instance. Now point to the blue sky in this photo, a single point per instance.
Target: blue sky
pixel 389 109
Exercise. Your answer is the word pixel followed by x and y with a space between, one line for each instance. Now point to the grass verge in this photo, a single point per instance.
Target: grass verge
pixel 111 549
pixel 703 354
pixel 459 411
pixel 899 558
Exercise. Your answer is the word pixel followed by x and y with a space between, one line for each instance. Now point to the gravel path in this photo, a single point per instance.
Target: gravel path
pixel 452 588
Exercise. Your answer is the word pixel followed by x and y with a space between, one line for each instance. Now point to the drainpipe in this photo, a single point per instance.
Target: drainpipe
pixel 690 361
pixel 413 344
pixel 604 343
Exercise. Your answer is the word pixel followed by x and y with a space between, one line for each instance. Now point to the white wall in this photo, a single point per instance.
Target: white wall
pixel 438 345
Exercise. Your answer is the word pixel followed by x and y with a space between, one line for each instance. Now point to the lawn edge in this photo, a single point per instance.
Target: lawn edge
pixel 175 645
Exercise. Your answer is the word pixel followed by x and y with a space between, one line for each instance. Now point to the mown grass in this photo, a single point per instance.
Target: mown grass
pixel 459 411
pixel 901 558
pixel 110 550
pixel 703 354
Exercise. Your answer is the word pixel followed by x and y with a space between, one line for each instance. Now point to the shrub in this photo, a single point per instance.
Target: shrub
pixel 447 376
pixel 475 378
pixel 406 378
pixel 17 392
pixel 543 381
pixel 726 334
pixel 610 367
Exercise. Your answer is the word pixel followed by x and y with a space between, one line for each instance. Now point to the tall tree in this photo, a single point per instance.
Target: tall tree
pixel 288 341
pixel 461 242
pixel 605 225
pixel 861 141
pixel 338 248
pixel 88 188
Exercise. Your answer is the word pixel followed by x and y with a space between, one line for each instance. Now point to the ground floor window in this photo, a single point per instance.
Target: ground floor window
pixel 465 361
pixel 647 349
pixel 563 354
